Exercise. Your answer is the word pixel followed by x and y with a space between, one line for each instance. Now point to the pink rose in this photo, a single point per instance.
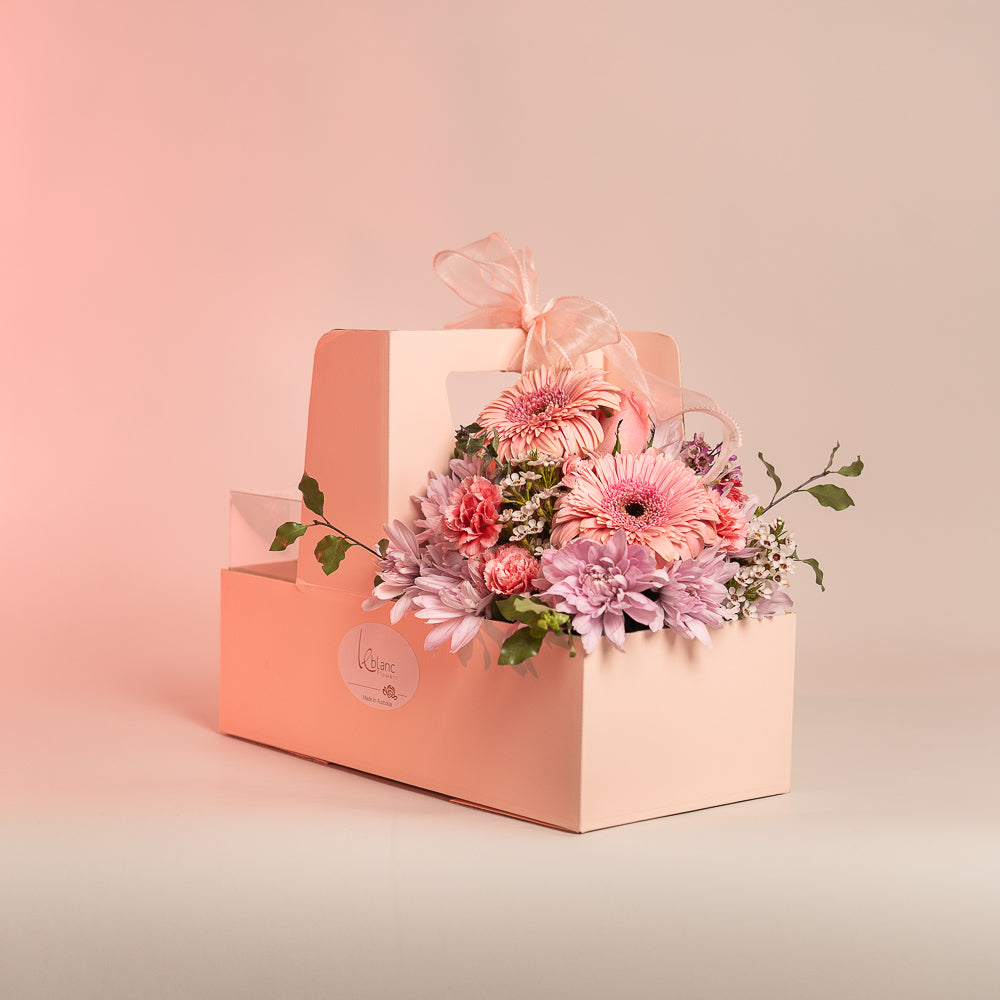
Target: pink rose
pixel 732 526
pixel 469 515
pixel 630 423
pixel 510 569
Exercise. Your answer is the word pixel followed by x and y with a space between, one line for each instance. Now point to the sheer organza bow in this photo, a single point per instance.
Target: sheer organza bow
pixel 502 286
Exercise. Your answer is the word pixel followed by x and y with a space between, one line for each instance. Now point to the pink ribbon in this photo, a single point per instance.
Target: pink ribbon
pixel 502 286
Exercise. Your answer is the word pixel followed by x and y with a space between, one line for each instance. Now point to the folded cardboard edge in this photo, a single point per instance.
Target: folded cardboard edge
pixel 510 815
pixel 607 824
pixel 629 819
pixel 339 767
pixel 398 784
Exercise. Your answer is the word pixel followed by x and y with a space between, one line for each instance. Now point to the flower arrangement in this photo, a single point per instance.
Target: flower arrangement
pixel 570 511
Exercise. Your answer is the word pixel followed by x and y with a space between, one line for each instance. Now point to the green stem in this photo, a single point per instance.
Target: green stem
pixel 343 534
pixel 798 489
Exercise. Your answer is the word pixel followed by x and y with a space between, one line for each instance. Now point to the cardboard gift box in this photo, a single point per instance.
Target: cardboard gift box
pixel 577 743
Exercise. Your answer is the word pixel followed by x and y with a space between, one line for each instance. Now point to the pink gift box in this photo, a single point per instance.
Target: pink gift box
pixel 576 743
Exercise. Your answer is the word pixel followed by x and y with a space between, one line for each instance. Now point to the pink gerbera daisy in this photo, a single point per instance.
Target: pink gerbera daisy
pixel 655 501
pixel 554 411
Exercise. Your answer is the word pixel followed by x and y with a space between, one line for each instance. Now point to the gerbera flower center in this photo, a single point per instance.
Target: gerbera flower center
pixel 636 503
pixel 535 404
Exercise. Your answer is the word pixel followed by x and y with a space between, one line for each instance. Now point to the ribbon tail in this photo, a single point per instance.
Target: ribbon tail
pixel 623 358
pixel 671 402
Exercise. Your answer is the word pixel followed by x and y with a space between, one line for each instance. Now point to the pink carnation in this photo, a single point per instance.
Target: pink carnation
pixel 510 569
pixel 469 516
pixel 732 526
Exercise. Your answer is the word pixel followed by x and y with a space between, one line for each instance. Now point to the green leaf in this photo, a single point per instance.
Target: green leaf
pixel 330 551
pixel 520 646
pixel 383 546
pixel 771 473
pixel 286 534
pixel 854 469
pixel 532 612
pixel 617 450
pixel 815 568
pixel 831 496
pixel 836 448
pixel 514 607
pixel 312 495
pixel 539 617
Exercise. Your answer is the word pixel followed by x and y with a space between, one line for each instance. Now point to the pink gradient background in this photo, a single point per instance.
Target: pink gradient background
pixel 805 195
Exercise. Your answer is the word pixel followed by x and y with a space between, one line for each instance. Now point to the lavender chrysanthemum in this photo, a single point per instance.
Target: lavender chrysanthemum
pixel 779 603
pixel 439 488
pixel 695 597
pixel 463 467
pixel 398 570
pixel 599 584
pixel 452 596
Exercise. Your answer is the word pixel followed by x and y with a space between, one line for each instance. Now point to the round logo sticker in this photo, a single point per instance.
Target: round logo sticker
pixel 378 666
